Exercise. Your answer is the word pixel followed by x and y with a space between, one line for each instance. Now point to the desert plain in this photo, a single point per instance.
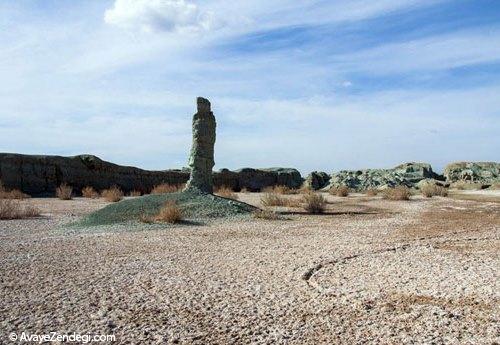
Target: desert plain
pixel 368 270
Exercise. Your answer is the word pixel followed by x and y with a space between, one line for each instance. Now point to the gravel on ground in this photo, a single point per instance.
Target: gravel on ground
pixel 369 271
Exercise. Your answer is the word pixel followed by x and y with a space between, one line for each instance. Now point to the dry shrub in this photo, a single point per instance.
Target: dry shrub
pixel 266 214
pixel 305 190
pixel 465 185
pixel 314 203
pixel 31 211
pixel 135 193
pixel 9 209
pixel 64 192
pixel 283 190
pixel 13 194
pixel 268 190
pixel 397 193
pixel 12 209
pixel 371 192
pixel 226 192
pixel 341 191
pixel 430 190
pixel 169 213
pixel 273 199
pixel 113 194
pixel 441 191
pixel 280 189
pixel 89 192
pixel 244 190
pixel 144 218
pixel 294 202
pixel 165 188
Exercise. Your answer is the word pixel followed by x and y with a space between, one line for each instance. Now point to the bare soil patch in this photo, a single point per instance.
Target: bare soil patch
pixel 381 272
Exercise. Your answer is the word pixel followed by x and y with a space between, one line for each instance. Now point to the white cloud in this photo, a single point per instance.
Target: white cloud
pixel 159 15
pixel 82 86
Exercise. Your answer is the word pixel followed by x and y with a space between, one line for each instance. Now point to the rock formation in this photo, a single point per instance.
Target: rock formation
pixel 255 180
pixel 41 175
pixel 317 180
pixel 485 173
pixel 408 174
pixel 201 159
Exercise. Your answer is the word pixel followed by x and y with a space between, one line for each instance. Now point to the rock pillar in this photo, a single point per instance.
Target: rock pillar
pixel 201 159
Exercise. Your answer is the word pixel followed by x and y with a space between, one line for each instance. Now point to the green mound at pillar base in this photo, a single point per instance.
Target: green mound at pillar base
pixel 195 207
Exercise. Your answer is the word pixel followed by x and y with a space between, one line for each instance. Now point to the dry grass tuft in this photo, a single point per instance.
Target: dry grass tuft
pixel 64 192
pixel 397 193
pixel 135 193
pixel 165 188
pixel 114 194
pixel 371 192
pixel 245 190
pixel 266 214
pixel 314 203
pixel 273 199
pixel 12 209
pixel 169 213
pixel 465 185
pixel 294 202
pixel 341 191
pixel 282 190
pixel 143 218
pixel 226 192
pixel 89 192
pixel 12 194
pixel 305 190
pixel 431 190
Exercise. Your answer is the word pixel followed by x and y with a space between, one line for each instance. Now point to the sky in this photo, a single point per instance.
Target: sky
pixel 314 84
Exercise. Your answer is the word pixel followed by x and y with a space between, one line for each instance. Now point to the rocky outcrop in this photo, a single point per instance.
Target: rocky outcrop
pixel 201 159
pixel 485 173
pixel 256 179
pixel 317 180
pixel 431 182
pixel 40 175
pixel 408 174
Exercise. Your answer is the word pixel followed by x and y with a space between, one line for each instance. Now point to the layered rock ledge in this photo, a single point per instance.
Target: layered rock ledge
pixel 41 175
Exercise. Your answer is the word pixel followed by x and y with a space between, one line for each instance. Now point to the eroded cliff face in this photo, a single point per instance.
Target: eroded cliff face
pixel 473 172
pixel 40 175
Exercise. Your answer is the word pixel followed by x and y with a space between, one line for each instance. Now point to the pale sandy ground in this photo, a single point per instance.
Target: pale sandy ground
pixel 483 192
pixel 368 272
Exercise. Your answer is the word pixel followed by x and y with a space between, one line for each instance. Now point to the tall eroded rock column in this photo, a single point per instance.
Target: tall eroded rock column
pixel 201 160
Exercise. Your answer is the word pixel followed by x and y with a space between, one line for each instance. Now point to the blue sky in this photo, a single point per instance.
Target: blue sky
pixel 313 84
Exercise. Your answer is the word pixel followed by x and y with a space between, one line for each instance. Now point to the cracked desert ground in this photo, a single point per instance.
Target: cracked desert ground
pixel 370 271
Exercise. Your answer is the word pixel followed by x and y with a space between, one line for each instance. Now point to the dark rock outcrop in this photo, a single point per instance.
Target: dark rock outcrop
pixel 317 180
pixel 257 179
pixel 40 175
